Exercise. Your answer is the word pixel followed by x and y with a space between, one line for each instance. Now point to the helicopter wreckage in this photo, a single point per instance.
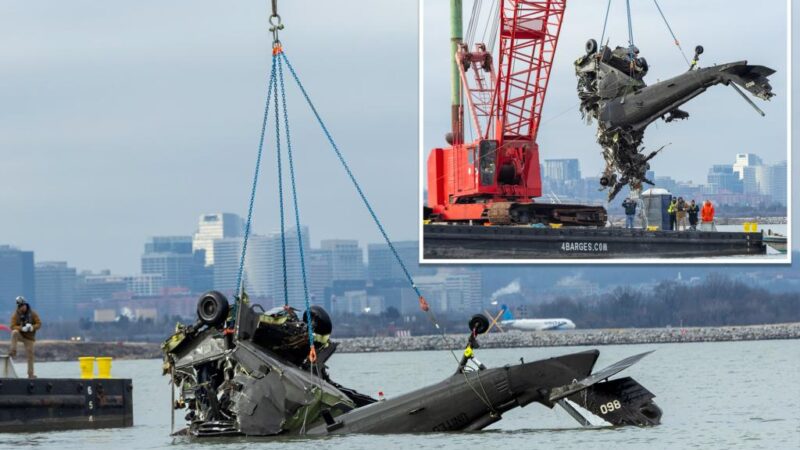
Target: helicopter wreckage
pixel 240 370
pixel 612 91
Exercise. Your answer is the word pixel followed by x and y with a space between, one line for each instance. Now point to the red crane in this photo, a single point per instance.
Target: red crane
pixel 496 177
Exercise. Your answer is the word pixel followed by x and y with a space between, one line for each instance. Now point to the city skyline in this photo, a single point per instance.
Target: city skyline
pixel 173 273
pixel 746 180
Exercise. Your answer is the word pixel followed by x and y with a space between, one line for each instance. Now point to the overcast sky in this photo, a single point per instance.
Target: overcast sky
pixel 123 120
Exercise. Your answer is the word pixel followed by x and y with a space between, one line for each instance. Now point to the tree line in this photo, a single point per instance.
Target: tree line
pixel 718 300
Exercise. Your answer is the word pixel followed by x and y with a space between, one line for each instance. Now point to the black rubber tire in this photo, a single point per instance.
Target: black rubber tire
pixel 644 65
pixel 699 50
pixel 479 323
pixel 320 320
pixel 212 308
pixel 591 46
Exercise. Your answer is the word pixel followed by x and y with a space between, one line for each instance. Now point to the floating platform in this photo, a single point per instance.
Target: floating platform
pixel 52 404
pixel 526 242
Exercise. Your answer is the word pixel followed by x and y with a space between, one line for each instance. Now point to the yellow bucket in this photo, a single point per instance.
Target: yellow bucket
pixel 104 367
pixel 87 366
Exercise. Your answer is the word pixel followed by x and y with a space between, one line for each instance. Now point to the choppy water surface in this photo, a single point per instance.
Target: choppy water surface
pixel 714 395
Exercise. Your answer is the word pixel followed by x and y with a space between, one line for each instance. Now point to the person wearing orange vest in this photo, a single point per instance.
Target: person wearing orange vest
pixel 707 213
pixel 707 216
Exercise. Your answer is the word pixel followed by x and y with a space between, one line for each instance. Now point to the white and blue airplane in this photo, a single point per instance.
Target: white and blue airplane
pixel 508 320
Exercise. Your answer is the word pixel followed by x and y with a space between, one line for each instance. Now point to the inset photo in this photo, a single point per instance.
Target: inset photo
pixel 604 131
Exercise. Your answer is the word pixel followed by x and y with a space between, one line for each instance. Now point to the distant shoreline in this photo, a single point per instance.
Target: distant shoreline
pixel 48 350
pixel 586 337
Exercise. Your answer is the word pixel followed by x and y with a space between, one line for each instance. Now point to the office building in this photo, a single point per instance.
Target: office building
pixel 347 259
pixel 777 186
pixel 320 273
pixel 172 257
pixel 263 268
pixel 101 286
pixel 752 178
pixel 227 254
pixel 271 268
pixel 722 178
pixel 382 265
pixel 55 290
pixel 744 160
pixel 145 285
pixel 16 277
pixel 562 169
pixel 464 289
pixel 215 226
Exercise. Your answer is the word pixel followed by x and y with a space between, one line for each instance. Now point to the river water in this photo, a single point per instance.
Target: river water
pixel 714 395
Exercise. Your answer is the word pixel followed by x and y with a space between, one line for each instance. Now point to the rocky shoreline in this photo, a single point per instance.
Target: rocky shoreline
pixel 622 336
pixel 70 351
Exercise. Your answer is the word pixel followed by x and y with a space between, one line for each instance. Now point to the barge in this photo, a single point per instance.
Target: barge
pixel 442 241
pixel 55 404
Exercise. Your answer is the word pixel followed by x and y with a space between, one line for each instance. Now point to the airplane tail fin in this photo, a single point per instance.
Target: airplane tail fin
pixel 751 78
pixel 507 314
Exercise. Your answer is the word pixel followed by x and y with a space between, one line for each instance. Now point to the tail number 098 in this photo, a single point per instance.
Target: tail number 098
pixel 610 407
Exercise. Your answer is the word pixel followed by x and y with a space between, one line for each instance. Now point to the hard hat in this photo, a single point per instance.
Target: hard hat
pixel 21 301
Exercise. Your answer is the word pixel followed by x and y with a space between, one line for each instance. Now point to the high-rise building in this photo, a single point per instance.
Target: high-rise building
pixel 767 180
pixel 215 226
pixel 744 160
pixel 227 254
pixel 93 287
pixel 274 267
pixel 562 169
pixel 382 265
pixel 320 273
pixel 464 289
pixel 16 277
pixel 263 266
pixel 722 178
pixel 667 183
pixel 145 285
pixel 751 179
pixel 172 258
pixel 347 259
pixel 777 186
pixel 55 290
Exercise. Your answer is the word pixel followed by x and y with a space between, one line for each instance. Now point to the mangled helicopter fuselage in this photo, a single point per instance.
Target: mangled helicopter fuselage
pixel 245 373
pixel 612 91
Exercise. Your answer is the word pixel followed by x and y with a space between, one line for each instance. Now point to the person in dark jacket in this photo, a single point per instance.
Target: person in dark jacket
pixel 24 324
pixel 693 210
pixel 630 211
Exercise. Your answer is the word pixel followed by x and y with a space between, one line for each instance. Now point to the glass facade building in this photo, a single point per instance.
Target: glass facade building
pixel 55 290
pixel 16 277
